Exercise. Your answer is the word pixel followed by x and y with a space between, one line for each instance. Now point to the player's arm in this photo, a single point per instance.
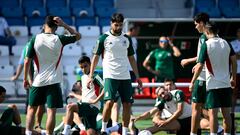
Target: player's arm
pixel 176 51
pixel 147 64
pixel 100 96
pixel 233 60
pixel 177 113
pixel 185 62
pixel 147 114
pixel 199 66
pixel 27 61
pixel 60 22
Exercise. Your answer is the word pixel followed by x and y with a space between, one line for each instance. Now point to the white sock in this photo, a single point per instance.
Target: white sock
pixel 112 129
pixel 213 133
pixel 27 132
pixel 124 130
pixel 104 126
pixel 226 134
pixel 67 129
pixel 192 133
pixel 43 132
pixel 114 123
pixel 81 126
pixel 60 126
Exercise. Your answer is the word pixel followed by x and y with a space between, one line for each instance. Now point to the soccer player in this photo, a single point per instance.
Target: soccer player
pixel 116 48
pixel 218 55
pixel 46 51
pixel 172 101
pixel 199 91
pixel 41 108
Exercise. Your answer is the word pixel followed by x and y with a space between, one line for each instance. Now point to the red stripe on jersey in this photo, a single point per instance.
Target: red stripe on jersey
pixel 59 58
pixel 209 66
pixel 35 58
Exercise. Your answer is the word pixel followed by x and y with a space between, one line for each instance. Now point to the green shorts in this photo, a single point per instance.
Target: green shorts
pixel 199 92
pixel 88 113
pixel 52 94
pixel 217 98
pixel 123 87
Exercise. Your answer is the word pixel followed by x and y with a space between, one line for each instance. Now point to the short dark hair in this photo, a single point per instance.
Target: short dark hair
pixel 74 87
pixel 84 59
pixel 168 80
pixel 117 17
pixel 201 17
pixel 2 90
pixel 212 27
pixel 50 22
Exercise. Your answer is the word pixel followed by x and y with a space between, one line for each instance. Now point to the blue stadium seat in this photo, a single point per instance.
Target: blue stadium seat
pixel 12 12
pixel 228 4
pixel 103 3
pixel 213 12
pixel 79 3
pixel 229 12
pixel 59 11
pixel 32 3
pixel 205 3
pixel 104 21
pixel 68 20
pixel 31 11
pixel 56 3
pixel 9 3
pixel 15 21
pixel 85 21
pixel 105 11
pixel 79 12
pixel 35 21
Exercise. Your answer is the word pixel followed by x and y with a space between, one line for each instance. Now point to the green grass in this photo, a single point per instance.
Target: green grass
pixel 140 124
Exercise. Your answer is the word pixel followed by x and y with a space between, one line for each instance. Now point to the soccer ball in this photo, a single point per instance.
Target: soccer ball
pixel 144 132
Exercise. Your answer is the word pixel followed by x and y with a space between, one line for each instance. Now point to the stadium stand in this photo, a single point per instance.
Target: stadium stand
pixel 20 33
pixel 4 55
pixel 9 3
pixel 32 3
pixel 35 11
pixel 17 51
pixel 56 3
pixel 79 3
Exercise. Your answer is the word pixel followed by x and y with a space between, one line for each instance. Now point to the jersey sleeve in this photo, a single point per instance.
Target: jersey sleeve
pixel 151 56
pixel 67 39
pixel 99 48
pixel 130 47
pixel 30 52
pixel 179 96
pixel 98 80
pixel 160 104
pixel 203 53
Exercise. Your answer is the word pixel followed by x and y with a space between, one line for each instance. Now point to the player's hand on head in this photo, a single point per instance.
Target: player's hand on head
pixel 58 21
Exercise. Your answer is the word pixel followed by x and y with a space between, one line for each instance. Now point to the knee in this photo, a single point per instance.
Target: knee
pixel 70 107
pixel 109 103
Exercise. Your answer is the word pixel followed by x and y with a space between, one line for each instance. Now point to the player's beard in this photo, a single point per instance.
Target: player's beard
pixel 117 31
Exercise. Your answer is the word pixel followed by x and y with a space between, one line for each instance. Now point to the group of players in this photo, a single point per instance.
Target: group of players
pixel 212 82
